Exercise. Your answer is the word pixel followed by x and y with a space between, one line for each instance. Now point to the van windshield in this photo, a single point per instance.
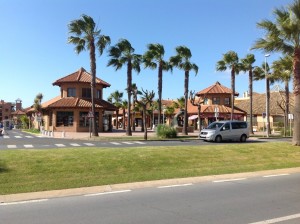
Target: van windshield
pixel 215 125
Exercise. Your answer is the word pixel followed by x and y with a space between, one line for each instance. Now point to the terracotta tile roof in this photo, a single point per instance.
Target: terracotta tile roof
pixel 74 102
pixel 80 76
pixel 217 88
pixel 18 112
pixel 259 103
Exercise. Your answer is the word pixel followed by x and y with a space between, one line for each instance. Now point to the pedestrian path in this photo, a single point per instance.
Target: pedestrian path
pixel 74 144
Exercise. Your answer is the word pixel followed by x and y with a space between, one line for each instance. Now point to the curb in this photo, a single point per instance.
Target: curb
pixel 136 185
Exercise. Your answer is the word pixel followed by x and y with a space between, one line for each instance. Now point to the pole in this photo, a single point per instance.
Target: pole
pixel 267 97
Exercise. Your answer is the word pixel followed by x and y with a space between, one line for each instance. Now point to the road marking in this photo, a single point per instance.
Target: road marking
pixel 28 136
pixel 74 144
pixel 17 136
pixel 5 136
pixel 115 143
pixel 11 146
pixel 89 144
pixel 109 192
pixel 28 146
pixel 128 143
pixel 280 219
pixel 141 143
pixel 24 202
pixel 60 145
pixel 228 180
pixel 175 185
pixel 277 175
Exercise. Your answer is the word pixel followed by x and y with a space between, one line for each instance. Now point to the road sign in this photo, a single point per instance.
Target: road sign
pixel 90 115
pixel 291 116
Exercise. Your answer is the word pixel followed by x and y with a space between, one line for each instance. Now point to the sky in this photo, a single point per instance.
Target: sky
pixel 34 51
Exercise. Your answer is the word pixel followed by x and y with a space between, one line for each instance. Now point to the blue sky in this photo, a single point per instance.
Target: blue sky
pixel 34 49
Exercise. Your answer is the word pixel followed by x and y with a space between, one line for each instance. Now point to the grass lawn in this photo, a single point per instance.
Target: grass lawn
pixel 39 170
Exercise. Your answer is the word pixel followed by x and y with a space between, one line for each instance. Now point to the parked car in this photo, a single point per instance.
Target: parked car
pixel 225 130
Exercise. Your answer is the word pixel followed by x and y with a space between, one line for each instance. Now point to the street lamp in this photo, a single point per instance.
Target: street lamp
pixel 267 95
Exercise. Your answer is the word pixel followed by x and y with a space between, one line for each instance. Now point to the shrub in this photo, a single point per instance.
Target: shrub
pixel 165 131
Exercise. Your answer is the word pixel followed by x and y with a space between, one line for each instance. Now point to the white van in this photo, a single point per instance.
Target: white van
pixel 225 130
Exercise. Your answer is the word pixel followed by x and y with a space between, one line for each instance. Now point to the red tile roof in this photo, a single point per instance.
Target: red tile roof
pixel 74 102
pixel 217 88
pixel 80 76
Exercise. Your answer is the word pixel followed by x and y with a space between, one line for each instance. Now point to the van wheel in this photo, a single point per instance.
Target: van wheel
pixel 218 139
pixel 243 138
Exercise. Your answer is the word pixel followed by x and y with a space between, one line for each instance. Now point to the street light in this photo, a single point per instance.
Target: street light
pixel 267 97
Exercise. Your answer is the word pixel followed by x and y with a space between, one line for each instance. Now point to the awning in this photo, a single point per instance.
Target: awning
pixel 193 117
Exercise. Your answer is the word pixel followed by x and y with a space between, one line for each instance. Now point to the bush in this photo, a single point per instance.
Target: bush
pixel 165 131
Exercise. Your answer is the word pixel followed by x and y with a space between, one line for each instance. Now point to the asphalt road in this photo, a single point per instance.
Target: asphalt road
pixel 16 139
pixel 263 199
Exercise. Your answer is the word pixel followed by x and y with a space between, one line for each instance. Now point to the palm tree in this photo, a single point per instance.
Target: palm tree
pixel 154 58
pixel 282 71
pixel 182 61
pixel 86 34
pixel 38 106
pixel 283 36
pixel 116 99
pixel 145 100
pixel 124 106
pixel 123 54
pixel 230 61
pixel 135 93
pixel 247 65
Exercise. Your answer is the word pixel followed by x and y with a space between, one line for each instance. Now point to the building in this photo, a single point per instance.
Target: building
pixel 70 111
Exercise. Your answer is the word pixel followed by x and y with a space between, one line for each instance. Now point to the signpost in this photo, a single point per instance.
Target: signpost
pixel 291 117
pixel 216 112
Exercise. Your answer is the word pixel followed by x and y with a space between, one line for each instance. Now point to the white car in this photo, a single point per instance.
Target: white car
pixel 225 130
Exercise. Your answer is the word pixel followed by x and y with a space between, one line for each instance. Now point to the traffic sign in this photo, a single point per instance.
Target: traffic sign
pixel 90 115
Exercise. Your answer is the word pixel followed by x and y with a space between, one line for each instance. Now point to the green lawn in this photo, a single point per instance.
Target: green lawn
pixel 38 170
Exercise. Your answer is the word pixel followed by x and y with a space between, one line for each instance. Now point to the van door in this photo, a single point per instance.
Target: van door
pixel 225 131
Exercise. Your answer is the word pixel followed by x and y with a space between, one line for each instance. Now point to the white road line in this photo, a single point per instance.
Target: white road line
pixel 128 143
pixel 74 144
pixel 60 145
pixel 175 185
pixel 228 180
pixel 277 175
pixel 89 144
pixel 276 220
pixel 29 136
pixel 5 136
pixel 115 143
pixel 104 193
pixel 17 136
pixel 141 143
pixel 28 146
pixel 23 202
pixel 11 146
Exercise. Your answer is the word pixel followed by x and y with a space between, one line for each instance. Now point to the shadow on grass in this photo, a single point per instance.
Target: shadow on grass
pixel 3 167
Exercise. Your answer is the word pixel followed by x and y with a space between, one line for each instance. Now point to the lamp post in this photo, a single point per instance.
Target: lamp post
pixel 267 96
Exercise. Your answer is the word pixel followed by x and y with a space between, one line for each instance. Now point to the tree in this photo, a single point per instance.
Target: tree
pixel 283 36
pixel 247 65
pixel 124 106
pixel 135 93
pixel 154 58
pixel 38 106
pixel 86 34
pixel 116 99
pixel 182 61
pixel 282 71
pixel 145 101
pixel 230 61
pixel 197 104
pixel 123 54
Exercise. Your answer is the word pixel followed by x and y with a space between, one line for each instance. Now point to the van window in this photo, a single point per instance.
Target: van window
pixel 238 125
pixel 226 127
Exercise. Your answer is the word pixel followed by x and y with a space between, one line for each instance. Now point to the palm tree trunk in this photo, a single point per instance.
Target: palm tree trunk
pixel 93 85
pixel 145 123
pixel 233 92
pixel 287 102
pixel 251 99
pixel 186 90
pixel 296 66
pixel 117 119
pixel 129 84
pixel 159 92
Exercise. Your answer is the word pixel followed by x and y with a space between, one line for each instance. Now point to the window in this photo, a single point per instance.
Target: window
pixel 216 100
pixel 205 102
pixel 86 93
pixel 71 92
pixel 64 118
pixel 84 120
pixel 227 101
pixel 99 95
pixel 238 125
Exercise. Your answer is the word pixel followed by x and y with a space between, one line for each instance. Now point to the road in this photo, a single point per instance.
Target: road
pixel 15 139
pixel 244 200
